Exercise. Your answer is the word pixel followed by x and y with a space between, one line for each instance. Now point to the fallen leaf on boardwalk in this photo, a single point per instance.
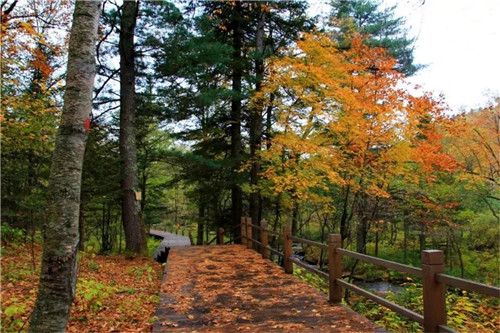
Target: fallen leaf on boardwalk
pixel 230 288
pixel 169 323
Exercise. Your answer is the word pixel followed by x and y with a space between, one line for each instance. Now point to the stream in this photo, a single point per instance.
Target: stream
pixel 380 286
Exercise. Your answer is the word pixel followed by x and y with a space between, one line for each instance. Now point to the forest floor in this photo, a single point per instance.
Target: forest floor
pixel 113 293
pixel 230 288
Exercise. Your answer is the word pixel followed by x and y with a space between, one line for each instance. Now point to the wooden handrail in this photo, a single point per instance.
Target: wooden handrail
pixel 434 281
pixel 446 329
pixel 255 241
pixel 382 301
pixel 309 242
pixel 275 252
pixel 234 227
pixel 258 227
pixel 212 240
pixel 272 232
pixel 309 268
pixel 382 262
pixel 476 287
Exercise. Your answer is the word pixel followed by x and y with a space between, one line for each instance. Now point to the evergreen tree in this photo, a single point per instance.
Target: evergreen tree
pixel 135 234
pixel 384 29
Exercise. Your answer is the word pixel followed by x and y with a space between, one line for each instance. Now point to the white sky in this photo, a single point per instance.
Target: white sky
pixel 459 40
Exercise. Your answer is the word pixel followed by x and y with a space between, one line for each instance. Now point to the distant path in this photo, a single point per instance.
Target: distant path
pixel 169 241
pixel 230 289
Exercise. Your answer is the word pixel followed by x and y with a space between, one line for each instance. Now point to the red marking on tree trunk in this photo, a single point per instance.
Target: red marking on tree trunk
pixel 87 125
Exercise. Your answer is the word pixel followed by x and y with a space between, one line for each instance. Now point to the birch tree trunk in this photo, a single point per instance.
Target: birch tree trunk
pixel 135 234
pixel 59 262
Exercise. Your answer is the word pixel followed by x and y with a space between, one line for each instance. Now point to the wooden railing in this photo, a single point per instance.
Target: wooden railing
pixel 219 236
pixel 434 281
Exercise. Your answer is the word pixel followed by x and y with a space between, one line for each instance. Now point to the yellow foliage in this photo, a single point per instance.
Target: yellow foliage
pixel 342 119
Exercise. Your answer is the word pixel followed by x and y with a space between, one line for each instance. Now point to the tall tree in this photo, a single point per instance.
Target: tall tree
pixel 135 234
pixel 256 121
pixel 352 132
pixel 474 140
pixel 59 262
pixel 383 27
pixel 235 118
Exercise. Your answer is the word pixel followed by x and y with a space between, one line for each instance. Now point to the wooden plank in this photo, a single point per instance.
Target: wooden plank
pixel 287 249
pixel 334 268
pixel 274 233
pixel 446 329
pixel 264 241
pixel 232 289
pixel 382 262
pixel 382 301
pixel 256 241
pixel 275 252
pixel 249 232
pixel 476 287
pixel 256 227
pixel 433 291
pixel 309 268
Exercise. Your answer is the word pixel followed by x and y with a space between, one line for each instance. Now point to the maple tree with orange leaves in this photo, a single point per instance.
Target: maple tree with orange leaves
pixel 343 121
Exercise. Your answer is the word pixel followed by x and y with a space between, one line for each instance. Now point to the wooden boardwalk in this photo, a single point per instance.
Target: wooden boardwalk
pixel 230 288
pixel 169 241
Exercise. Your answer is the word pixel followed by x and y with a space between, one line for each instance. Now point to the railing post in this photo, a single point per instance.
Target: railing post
pixel 433 290
pixel 249 233
pixel 263 240
pixel 243 231
pixel 220 236
pixel 287 249
pixel 334 268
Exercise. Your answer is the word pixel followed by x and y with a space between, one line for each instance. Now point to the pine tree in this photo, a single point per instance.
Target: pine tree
pixel 135 234
pixel 384 30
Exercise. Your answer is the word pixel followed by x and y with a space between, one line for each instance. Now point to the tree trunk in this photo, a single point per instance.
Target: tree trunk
pixel 201 218
pixel 343 219
pixel 405 239
pixel 144 181
pixel 269 122
pixel 135 234
pixel 421 237
pixel 256 125
pixel 59 262
pixel 295 217
pixel 361 234
pixel 236 192
pixel 81 225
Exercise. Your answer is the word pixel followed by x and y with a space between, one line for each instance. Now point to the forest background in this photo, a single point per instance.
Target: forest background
pixel 251 109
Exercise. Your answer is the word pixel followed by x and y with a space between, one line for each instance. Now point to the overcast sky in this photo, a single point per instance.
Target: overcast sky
pixel 459 41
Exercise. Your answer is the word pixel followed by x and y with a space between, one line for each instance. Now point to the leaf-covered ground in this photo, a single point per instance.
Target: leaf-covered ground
pixel 230 288
pixel 113 294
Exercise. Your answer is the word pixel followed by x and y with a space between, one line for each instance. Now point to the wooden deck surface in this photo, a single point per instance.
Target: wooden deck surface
pixel 230 288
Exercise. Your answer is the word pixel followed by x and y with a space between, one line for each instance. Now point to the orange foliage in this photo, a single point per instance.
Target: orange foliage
pixel 474 140
pixel 342 119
